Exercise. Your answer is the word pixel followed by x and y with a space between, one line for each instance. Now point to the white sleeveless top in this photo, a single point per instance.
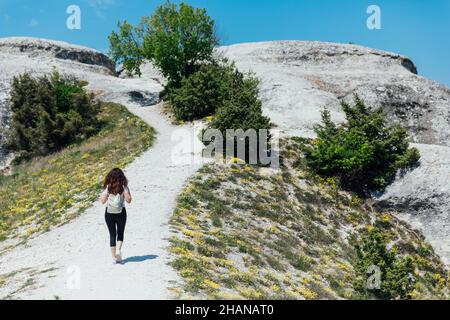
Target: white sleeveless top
pixel 115 203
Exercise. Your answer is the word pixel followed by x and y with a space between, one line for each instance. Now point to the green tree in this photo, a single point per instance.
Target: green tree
pixel 219 89
pixel 203 92
pixel 48 113
pixel 242 110
pixel 365 153
pixel 396 282
pixel 175 38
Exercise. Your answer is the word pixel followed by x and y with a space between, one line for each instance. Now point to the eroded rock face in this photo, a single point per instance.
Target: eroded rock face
pixel 299 79
pixel 57 49
pixel 422 197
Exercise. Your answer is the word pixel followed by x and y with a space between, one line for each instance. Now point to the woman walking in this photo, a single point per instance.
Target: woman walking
pixel 115 194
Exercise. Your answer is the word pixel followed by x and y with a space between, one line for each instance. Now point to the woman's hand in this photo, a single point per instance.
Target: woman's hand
pixel 127 196
pixel 104 197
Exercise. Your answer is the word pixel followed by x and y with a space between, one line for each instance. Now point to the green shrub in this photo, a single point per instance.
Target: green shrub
pixel 202 93
pixel 365 153
pixel 242 110
pixel 397 280
pixel 49 113
pixel 218 89
pixel 175 38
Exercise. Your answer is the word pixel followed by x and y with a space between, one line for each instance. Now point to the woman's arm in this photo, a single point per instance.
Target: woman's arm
pixel 127 195
pixel 104 196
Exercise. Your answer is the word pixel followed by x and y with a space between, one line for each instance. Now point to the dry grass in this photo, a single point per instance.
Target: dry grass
pixel 250 233
pixel 51 190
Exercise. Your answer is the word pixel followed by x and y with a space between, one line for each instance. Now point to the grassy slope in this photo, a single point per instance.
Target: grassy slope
pixel 51 190
pixel 252 233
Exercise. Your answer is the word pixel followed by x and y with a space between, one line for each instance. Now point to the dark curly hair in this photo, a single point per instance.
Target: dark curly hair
pixel 115 181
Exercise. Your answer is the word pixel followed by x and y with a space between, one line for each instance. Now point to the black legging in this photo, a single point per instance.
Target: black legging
pixel 116 226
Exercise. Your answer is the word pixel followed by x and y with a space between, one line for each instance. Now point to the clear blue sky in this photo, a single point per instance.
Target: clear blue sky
pixel 419 29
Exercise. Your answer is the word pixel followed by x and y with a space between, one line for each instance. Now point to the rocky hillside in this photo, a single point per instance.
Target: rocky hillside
pixel 247 232
pixel 299 78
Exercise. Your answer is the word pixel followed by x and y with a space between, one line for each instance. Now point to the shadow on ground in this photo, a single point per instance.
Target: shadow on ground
pixel 144 99
pixel 139 258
